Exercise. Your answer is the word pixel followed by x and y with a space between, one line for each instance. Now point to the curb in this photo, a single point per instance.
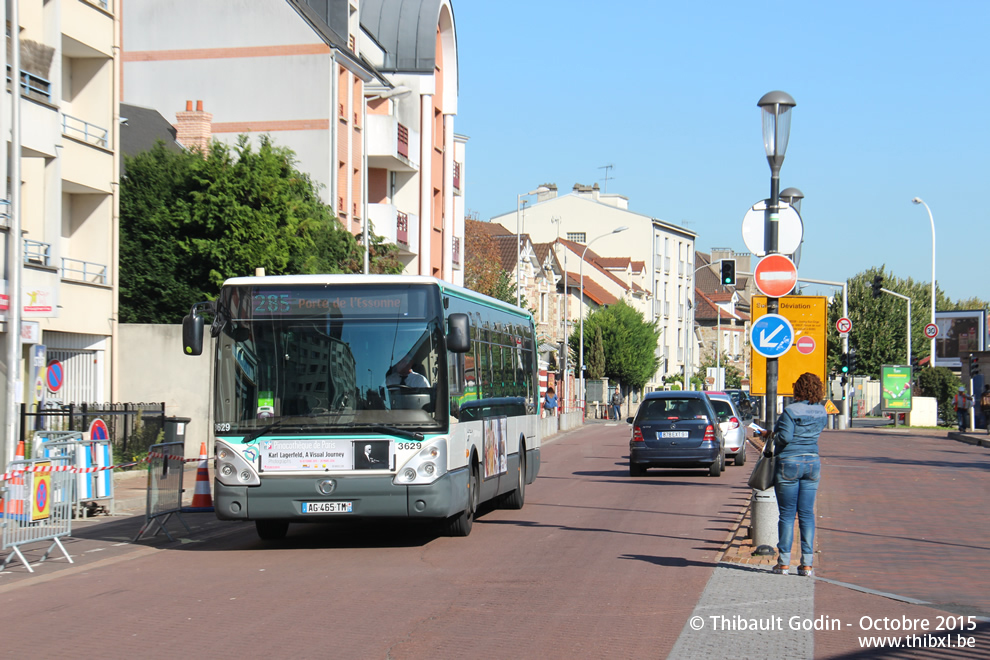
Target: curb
pixel 970 439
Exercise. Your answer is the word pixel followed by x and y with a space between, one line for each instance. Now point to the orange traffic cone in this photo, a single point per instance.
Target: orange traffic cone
pixel 14 507
pixel 202 500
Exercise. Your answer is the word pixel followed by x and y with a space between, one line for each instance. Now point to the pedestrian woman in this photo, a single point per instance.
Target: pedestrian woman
pixel 798 470
pixel 550 402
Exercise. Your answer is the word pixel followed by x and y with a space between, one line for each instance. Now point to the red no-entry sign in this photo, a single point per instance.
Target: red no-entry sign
pixel 775 275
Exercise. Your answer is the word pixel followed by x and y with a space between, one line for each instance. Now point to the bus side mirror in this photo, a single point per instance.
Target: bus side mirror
pixel 458 333
pixel 192 334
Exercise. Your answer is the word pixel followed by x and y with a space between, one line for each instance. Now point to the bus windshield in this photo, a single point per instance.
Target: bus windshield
pixel 330 358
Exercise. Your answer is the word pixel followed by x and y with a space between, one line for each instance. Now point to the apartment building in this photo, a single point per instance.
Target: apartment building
pixel 660 259
pixel 65 258
pixel 363 91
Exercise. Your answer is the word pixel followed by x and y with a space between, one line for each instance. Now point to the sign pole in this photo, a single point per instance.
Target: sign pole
pixel 770 247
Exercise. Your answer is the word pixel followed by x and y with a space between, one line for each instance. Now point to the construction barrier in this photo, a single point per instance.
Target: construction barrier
pixel 46 500
pixel 92 458
pixel 202 499
pixel 166 465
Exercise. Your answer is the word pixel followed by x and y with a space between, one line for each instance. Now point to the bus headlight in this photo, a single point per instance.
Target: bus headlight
pixel 232 469
pixel 426 466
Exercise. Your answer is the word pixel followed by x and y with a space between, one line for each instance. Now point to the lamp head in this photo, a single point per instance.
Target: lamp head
pixel 776 111
pixel 916 200
pixel 618 229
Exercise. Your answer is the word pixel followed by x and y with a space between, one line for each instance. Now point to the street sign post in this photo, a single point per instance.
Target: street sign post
pixel 809 317
pixel 775 275
pixel 931 331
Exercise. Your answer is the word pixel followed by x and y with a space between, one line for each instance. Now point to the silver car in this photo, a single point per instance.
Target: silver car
pixel 731 422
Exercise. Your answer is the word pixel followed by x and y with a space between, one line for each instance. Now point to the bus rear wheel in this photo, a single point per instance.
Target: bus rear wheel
pixel 461 524
pixel 516 498
pixel 271 530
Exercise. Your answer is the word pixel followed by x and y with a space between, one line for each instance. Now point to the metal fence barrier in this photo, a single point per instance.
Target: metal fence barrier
pixel 94 486
pixel 166 465
pixel 37 507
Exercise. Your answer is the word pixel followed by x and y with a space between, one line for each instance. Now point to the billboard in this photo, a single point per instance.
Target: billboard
pixel 959 334
pixel 895 388
pixel 809 317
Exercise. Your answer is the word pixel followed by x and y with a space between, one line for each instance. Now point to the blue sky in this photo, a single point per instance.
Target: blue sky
pixel 893 102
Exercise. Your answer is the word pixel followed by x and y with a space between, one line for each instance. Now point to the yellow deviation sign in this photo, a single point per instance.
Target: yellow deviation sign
pixel 830 407
pixel 41 493
pixel 809 316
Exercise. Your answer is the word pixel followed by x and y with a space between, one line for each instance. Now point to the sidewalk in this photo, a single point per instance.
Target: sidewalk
pixel 901 537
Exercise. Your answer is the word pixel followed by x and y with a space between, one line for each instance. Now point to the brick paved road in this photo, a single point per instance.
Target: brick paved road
pixel 907 514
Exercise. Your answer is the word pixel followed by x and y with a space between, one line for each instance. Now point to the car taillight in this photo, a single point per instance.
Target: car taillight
pixel 733 423
pixel 709 433
pixel 637 434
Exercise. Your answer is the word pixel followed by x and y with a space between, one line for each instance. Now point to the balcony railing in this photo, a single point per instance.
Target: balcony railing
pixel 403 141
pixel 33 86
pixel 457 250
pixel 83 271
pixel 37 253
pixel 457 175
pixel 680 269
pixel 680 312
pixel 402 228
pixel 666 308
pixel 83 130
pixel 666 264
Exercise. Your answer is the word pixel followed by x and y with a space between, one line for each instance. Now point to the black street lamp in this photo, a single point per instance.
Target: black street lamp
pixel 775 108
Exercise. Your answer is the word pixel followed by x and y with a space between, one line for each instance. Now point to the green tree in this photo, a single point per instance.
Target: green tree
pixel 189 221
pixel 942 384
pixel 733 375
pixel 630 344
pixel 879 332
pixel 596 356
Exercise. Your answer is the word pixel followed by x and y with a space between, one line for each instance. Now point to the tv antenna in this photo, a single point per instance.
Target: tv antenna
pixel 607 169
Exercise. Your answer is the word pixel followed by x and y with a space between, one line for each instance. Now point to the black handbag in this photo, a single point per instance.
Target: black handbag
pixel 763 471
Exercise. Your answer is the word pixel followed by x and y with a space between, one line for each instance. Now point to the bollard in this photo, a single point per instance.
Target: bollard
pixel 763 522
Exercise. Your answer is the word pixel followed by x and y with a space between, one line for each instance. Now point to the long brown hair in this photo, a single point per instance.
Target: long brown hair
pixel 809 387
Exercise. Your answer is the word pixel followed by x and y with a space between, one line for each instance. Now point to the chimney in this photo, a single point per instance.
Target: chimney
pixel 551 192
pixel 194 128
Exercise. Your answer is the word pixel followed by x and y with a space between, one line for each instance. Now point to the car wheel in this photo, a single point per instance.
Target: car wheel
pixel 636 470
pixel 517 498
pixel 740 458
pixel 461 524
pixel 715 469
pixel 271 530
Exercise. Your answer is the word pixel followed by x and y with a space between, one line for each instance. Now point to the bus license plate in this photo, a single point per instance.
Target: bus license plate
pixel 673 434
pixel 327 507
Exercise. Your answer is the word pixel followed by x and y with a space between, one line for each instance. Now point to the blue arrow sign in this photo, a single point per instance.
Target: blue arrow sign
pixel 772 335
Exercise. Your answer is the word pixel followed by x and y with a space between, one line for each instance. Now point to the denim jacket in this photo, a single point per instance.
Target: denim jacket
pixel 798 429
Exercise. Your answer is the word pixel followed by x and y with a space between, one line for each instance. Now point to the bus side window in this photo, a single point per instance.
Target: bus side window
pixel 455 362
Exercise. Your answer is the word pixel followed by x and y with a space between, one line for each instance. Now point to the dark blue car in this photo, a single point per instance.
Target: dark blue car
pixel 676 429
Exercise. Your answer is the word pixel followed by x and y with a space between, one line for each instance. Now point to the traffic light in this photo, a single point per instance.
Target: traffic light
pixel 877 286
pixel 845 364
pixel 974 366
pixel 728 272
pixel 852 360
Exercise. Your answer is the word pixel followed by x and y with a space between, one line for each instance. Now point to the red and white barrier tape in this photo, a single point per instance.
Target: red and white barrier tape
pixel 78 470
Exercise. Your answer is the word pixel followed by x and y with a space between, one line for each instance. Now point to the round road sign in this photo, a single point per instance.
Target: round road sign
pixel 790 228
pixel 54 376
pixel 844 326
pixel 98 430
pixel 931 331
pixel 775 275
pixel 805 345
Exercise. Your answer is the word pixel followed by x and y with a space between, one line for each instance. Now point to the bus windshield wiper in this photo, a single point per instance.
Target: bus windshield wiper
pixel 383 428
pixel 257 433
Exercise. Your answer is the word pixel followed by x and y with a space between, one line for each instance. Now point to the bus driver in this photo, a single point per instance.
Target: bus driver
pixel 402 374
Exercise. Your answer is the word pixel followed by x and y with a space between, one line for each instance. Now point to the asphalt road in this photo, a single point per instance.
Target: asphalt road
pixel 596 564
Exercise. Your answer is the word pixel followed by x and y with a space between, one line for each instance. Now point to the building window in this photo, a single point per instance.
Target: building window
pixel 577 236
pixel 543 307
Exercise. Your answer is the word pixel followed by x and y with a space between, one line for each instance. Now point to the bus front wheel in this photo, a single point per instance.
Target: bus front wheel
pixel 460 525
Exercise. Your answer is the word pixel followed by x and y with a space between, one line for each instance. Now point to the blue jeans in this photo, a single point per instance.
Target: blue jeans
pixel 615 411
pixel 962 416
pixel 796 485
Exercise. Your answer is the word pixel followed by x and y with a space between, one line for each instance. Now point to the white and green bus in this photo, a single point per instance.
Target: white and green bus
pixel 356 396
